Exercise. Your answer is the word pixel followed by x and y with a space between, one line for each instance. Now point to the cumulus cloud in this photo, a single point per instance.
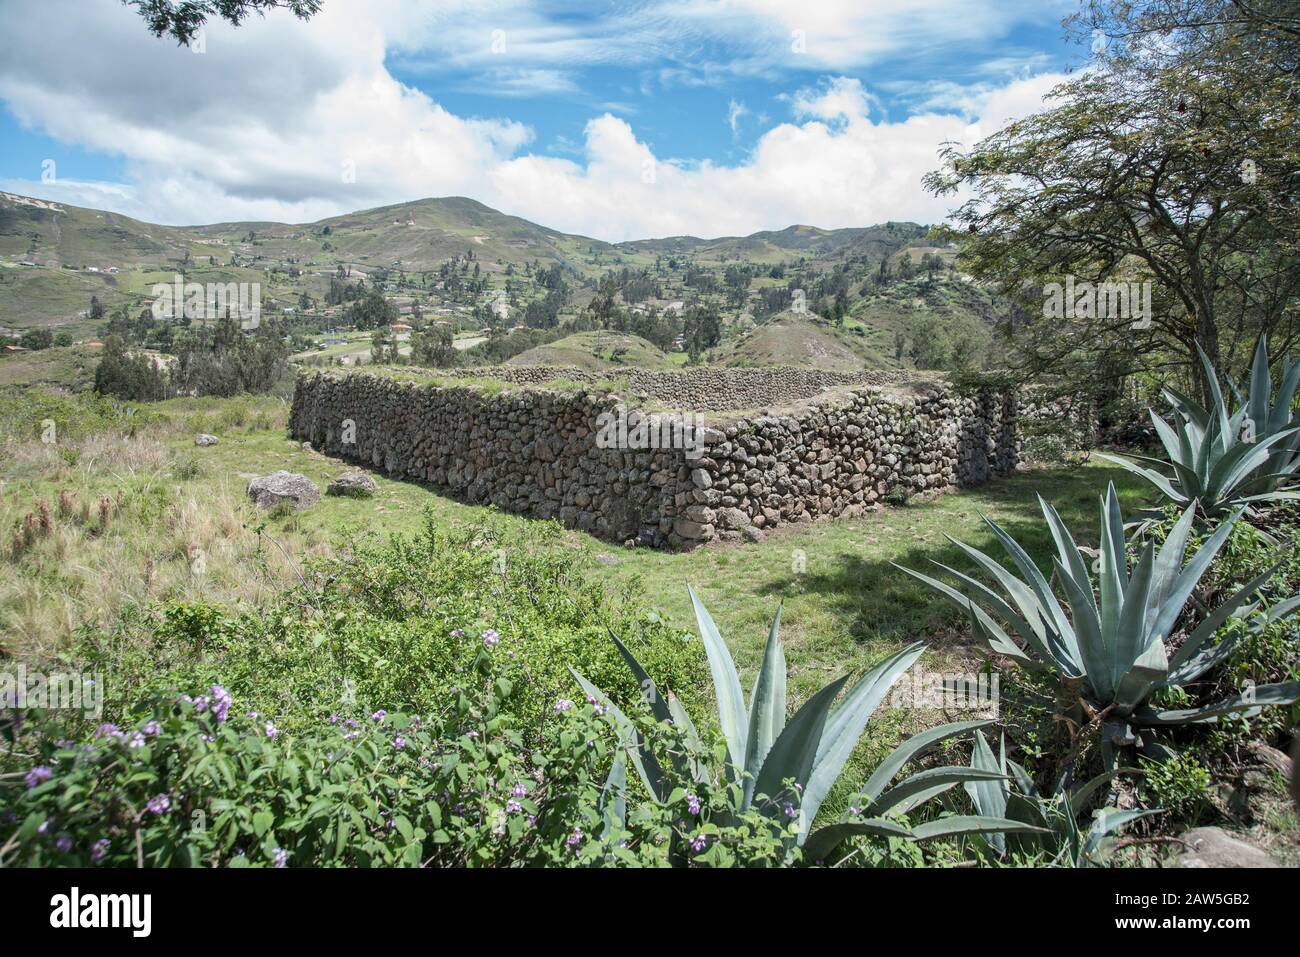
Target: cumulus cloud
pixel 293 122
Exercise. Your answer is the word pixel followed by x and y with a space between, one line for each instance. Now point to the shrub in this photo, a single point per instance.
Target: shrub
pixel 394 622
pixel 204 783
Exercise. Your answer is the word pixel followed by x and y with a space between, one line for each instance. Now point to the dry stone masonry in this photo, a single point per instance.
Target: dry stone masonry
pixel 534 451
pixel 703 390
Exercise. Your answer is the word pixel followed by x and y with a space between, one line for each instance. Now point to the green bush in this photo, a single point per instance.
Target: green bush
pixel 394 622
pixel 207 783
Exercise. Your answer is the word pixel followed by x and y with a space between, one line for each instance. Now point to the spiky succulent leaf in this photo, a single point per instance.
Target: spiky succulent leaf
pixel 726 685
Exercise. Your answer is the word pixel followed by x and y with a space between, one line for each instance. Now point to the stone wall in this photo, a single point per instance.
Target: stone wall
pixel 534 451
pixel 701 389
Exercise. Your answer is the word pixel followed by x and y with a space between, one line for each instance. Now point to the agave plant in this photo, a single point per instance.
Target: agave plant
pixel 779 764
pixel 1057 813
pixel 1222 460
pixel 1109 653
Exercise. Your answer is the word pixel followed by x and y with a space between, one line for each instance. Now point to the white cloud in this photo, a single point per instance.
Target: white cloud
pixel 735 110
pixel 265 124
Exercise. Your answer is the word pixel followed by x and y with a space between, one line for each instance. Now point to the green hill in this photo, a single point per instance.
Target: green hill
pixel 597 351
pixel 795 339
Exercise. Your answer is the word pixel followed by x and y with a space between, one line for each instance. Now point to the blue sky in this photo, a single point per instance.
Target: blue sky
pixel 618 120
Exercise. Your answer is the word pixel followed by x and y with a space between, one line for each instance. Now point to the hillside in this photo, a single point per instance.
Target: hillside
pixel 597 351
pixel 54 256
pixel 793 339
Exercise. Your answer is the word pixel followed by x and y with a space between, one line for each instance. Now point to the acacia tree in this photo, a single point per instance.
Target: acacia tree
pixel 183 19
pixel 1169 160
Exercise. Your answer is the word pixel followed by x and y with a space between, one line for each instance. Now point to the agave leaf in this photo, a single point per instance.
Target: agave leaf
pixel 794 753
pixel 1261 384
pixel 1218 407
pixel 1135 617
pixel 726 685
pixel 1280 416
pixel 994 600
pixel 1107 822
pixel 1066 549
pixel 923 781
pixel 642 758
pixel 1195 656
pixel 766 705
pixel 1170 560
pixel 1078 798
pixel 1092 647
pixel 824 840
pixel 973 824
pixel 1024 781
pixel 1188 579
pixel 1262 696
pixel 988 796
pixel 1149 670
pixel 613 799
pixel 1049 607
pixel 846 723
pixel 658 705
pixel 1155 478
pixel 998 640
pixel 888 769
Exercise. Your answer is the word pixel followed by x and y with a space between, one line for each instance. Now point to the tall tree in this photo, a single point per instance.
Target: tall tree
pixel 1173 160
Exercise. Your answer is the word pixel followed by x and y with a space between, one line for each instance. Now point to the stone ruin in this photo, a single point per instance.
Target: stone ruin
pixel 633 472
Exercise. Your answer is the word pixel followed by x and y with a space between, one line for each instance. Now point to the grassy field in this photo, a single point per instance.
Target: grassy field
pixel 127 523
pixel 844 603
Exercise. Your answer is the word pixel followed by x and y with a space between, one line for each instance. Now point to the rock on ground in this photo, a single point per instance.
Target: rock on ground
pixel 353 484
pixel 270 490
pixel 203 440
pixel 1215 847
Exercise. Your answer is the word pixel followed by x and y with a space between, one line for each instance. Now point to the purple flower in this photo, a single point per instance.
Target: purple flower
pixel 519 791
pixel 272 731
pixel 458 633
pixel 99 850
pixel 159 804
pixel 379 715
pixel 513 806
pixel 490 637
pixel 201 703
pixel 698 843
pixel 564 704
pixel 855 811
pixel 334 719
pixel 692 804
pixel 399 742
pixel 64 844
pixel 789 809
pixel 350 735
pixel 351 723
pixel 108 730
pixel 137 740
pixel 221 702
pixel 38 774
pixel 576 837
pixel 281 857
pixel 152 729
